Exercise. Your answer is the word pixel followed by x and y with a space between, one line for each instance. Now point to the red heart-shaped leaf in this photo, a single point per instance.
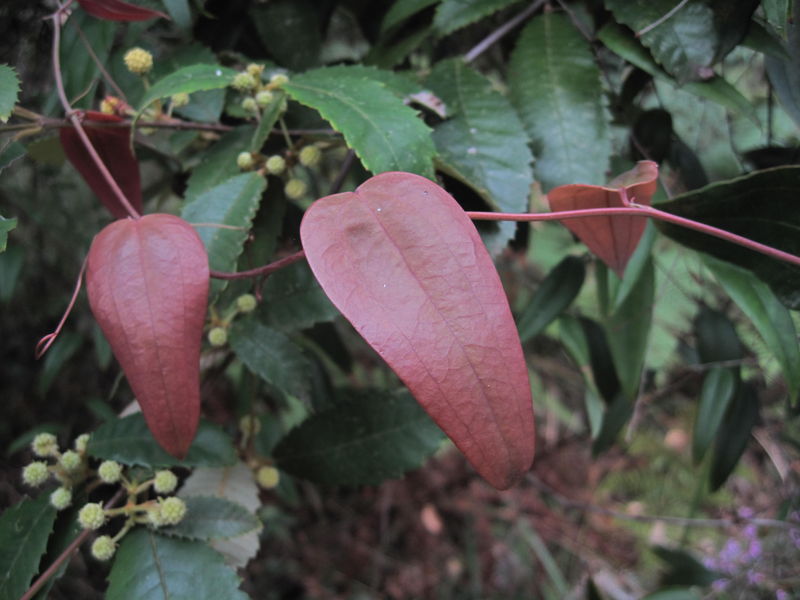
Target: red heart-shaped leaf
pixel 117 10
pixel 612 238
pixel 113 147
pixel 147 281
pixel 405 265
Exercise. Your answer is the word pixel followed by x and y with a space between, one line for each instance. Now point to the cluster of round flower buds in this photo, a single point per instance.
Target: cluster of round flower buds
pixel 218 334
pixel 258 95
pixel 68 467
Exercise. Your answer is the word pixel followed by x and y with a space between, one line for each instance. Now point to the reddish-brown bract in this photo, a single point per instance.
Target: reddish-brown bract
pixel 613 238
pixel 117 10
pixel 114 148
pixel 147 281
pixel 405 265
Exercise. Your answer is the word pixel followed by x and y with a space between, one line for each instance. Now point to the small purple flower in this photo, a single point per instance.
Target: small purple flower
pixel 754 550
pixel 746 512
pixel 755 577
pixel 781 595
pixel 730 555
pixel 719 585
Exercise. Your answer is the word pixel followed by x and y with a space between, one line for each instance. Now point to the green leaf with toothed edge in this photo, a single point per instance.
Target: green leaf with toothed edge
pixel 385 134
pixel 9 91
pixel 212 518
pixel 455 14
pixel 189 79
pixel 149 565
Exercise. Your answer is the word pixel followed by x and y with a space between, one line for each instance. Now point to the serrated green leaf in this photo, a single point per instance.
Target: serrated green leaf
pixel 233 203
pixel 733 434
pixel 455 14
pixel 384 133
pixel 10 154
pixel 272 356
pixel 552 297
pixel 211 518
pixel 9 91
pixel 294 300
pixel 363 440
pixel 235 484
pixel 24 530
pixel 484 143
pixel 129 441
pixel 716 89
pixel 693 38
pixel 189 79
pixel 719 387
pixel 180 12
pixel 219 162
pixel 402 10
pixel 555 87
pixel 6 225
pixel 761 206
pixel 269 116
pixel 148 565
pixel 768 315
pixel 628 329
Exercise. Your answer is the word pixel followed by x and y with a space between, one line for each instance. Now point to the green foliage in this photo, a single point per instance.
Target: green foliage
pixel 293 300
pixel 6 225
pixel 209 518
pixel 385 134
pixel 9 91
pixel 190 79
pixel 555 86
pixel 363 438
pixel 149 565
pixel 719 387
pixel 129 441
pixel 24 530
pixel 455 14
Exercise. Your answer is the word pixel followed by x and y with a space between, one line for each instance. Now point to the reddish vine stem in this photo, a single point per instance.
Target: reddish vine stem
pixel 66 554
pixel 264 270
pixel 76 122
pixel 44 344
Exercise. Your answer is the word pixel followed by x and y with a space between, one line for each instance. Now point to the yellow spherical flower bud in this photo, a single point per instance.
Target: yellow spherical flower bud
pixel 309 156
pixel 172 510
pixel 218 336
pixel 138 60
pixel 106 106
pixel 295 189
pixel 278 80
pixel 244 82
pixel 109 471
pixel 61 498
pixel 103 548
pixel 165 482
pixel 249 425
pixel 249 105
pixel 246 303
pixel 92 516
pixel 35 474
pixel 268 477
pixel 255 70
pixel 180 99
pixel 44 444
pixel 264 97
pixel 275 164
pixel 81 442
pixel 70 460
pixel 244 161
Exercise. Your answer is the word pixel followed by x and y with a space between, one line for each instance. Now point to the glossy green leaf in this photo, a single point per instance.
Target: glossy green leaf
pixel 272 356
pixel 402 10
pixel 204 106
pixel 683 569
pixel 483 143
pixel 384 133
pixel 601 360
pixel 455 14
pixel 9 91
pixel 716 89
pixel 290 30
pixel 717 340
pixel 554 294
pixel 78 66
pixel 294 300
pixel 760 206
pixel 129 441
pixel 719 387
pixel 734 433
pixel 783 72
pixel 11 261
pixel 210 518
pixel 219 161
pixel 180 12
pixel 555 86
pixel 364 440
pixel 189 79
pixel 628 330
pixel 232 203
pixel 148 565
pixel 693 38
pixel 762 38
pixel 772 320
pixel 615 416
pixel 269 116
pixel 24 530
pixel 6 225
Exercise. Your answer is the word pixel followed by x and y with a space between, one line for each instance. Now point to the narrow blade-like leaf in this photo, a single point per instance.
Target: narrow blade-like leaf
pixel 117 10
pixel 719 386
pixel 147 281
pixel 113 147
pixel 402 262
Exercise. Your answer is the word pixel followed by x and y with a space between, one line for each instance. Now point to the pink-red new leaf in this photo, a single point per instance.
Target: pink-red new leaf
pixel 147 282
pixel 117 10
pixel 612 238
pixel 405 265
pixel 113 147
